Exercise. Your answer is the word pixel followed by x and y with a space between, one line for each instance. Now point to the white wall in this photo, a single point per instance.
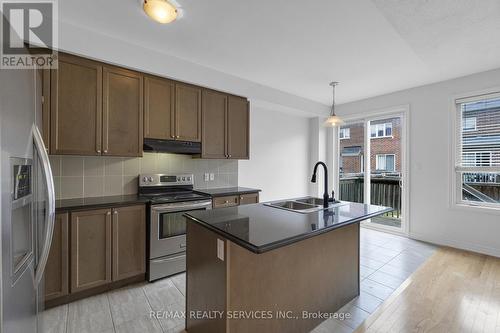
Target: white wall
pixel 279 155
pixel 432 216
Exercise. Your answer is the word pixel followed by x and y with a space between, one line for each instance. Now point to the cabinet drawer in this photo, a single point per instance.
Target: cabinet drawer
pixel 228 201
pixel 249 198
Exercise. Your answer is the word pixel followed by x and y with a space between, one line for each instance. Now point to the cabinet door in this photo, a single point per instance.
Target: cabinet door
pixel 159 108
pixel 237 128
pixel 122 112
pixel 57 270
pixel 90 249
pixel 187 112
pixel 76 107
pixel 129 242
pixel 249 198
pixel 46 107
pixel 214 111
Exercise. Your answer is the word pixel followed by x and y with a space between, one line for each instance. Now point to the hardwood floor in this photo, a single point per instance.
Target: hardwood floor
pixel 454 291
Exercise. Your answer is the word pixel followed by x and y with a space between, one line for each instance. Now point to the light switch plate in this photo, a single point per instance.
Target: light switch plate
pixel 212 177
pixel 207 177
pixel 220 249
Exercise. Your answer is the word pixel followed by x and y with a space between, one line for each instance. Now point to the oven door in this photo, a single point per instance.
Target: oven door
pixel 168 226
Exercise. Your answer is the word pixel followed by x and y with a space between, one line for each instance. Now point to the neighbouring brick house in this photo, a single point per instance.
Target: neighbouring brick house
pixel 385 141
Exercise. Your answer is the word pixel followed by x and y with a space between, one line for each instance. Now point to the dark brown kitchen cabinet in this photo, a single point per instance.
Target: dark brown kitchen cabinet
pixel 187 112
pixel 45 75
pixel 214 116
pixel 129 242
pixel 225 121
pixel 122 112
pixel 238 123
pixel 76 107
pixel 159 108
pixel 90 249
pixel 57 270
pixel 249 198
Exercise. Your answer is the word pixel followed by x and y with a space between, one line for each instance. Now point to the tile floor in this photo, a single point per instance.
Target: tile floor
pixel 386 261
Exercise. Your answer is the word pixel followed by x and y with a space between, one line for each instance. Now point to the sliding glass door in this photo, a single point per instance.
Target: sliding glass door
pixel 372 166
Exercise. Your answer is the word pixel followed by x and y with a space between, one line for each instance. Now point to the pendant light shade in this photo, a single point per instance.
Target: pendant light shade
pixel 333 120
pixel 161 11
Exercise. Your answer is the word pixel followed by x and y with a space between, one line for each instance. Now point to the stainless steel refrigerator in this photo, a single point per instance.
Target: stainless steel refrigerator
pixel 27 202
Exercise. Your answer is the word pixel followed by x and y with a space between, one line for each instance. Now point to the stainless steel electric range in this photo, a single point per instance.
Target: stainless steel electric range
pixel 169 198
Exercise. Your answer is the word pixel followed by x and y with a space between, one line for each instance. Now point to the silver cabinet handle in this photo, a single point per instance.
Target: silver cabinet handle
pixel 108 213
pixel 115 212
pixel 105 151
pixel 51 202
pixel 182 245
pixel 99 151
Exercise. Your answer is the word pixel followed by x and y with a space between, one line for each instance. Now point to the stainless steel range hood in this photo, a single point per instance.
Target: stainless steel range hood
pixel 171 146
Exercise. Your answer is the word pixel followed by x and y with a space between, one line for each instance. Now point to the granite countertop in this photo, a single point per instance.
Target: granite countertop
pixel 260 228
pixel 219 192
pixel 98 202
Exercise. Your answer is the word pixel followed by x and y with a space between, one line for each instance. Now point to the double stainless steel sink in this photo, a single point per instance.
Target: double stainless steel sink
pixel 304 205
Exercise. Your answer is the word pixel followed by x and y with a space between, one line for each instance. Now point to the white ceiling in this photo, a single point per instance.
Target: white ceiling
pixel 371 47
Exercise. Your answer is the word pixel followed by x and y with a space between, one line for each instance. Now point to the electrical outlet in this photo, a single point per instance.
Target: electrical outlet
pixel 212 177
pixel 220 249
pixel 207 177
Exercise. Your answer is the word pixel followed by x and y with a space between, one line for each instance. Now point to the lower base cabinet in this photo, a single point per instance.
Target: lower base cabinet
pixel 95 249
pixel 235 200
pixel 90 249
pixel 129 242
pixel 57 269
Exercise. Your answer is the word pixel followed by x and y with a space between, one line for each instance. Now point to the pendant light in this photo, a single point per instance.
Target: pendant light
pixel 161 11
pixel 333 120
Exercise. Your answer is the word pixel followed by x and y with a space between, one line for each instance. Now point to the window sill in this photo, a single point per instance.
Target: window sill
pixel 472 207
pixel 344 138
pixel 382 137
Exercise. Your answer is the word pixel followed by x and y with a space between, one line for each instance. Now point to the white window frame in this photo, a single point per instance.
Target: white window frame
pixel 382 126
pixel 342 133
pixel 456 199
pixel 385 162
pixel 471 129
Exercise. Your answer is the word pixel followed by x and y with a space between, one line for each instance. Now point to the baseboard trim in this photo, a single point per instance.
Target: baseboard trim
pixel 456 244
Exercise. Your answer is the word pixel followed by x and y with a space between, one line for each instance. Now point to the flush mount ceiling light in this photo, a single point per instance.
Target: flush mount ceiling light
pixel 333 120
pixel 160 10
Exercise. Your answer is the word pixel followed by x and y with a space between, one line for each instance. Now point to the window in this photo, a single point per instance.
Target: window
pixel 477 167
pixel 469 124
pixel 381 130
pixel 385 162
pixel 477 159
pixel 345 133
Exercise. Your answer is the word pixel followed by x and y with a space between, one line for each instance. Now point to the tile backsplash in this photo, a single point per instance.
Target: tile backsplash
pixel 93 176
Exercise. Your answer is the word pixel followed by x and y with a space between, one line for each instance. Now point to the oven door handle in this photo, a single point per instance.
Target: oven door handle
pixel 179 207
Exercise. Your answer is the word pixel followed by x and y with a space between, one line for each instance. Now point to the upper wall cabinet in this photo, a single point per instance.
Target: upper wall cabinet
pixel 95 109
pixel 122 112
pixel 238 128
pixel 187 112
pixel 76 107
pixel 159 106
pixel 214 106
pixel 225 126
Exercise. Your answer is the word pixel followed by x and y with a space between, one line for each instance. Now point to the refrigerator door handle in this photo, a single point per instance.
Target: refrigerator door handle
pixel 51 202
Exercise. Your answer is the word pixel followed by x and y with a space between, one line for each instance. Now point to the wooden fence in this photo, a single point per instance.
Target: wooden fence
pixel 384 192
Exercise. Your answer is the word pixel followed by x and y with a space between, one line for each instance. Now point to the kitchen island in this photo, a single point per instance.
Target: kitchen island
pixel 258 268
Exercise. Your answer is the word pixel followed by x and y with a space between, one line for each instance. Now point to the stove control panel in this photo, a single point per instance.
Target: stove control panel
pixel 165 180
